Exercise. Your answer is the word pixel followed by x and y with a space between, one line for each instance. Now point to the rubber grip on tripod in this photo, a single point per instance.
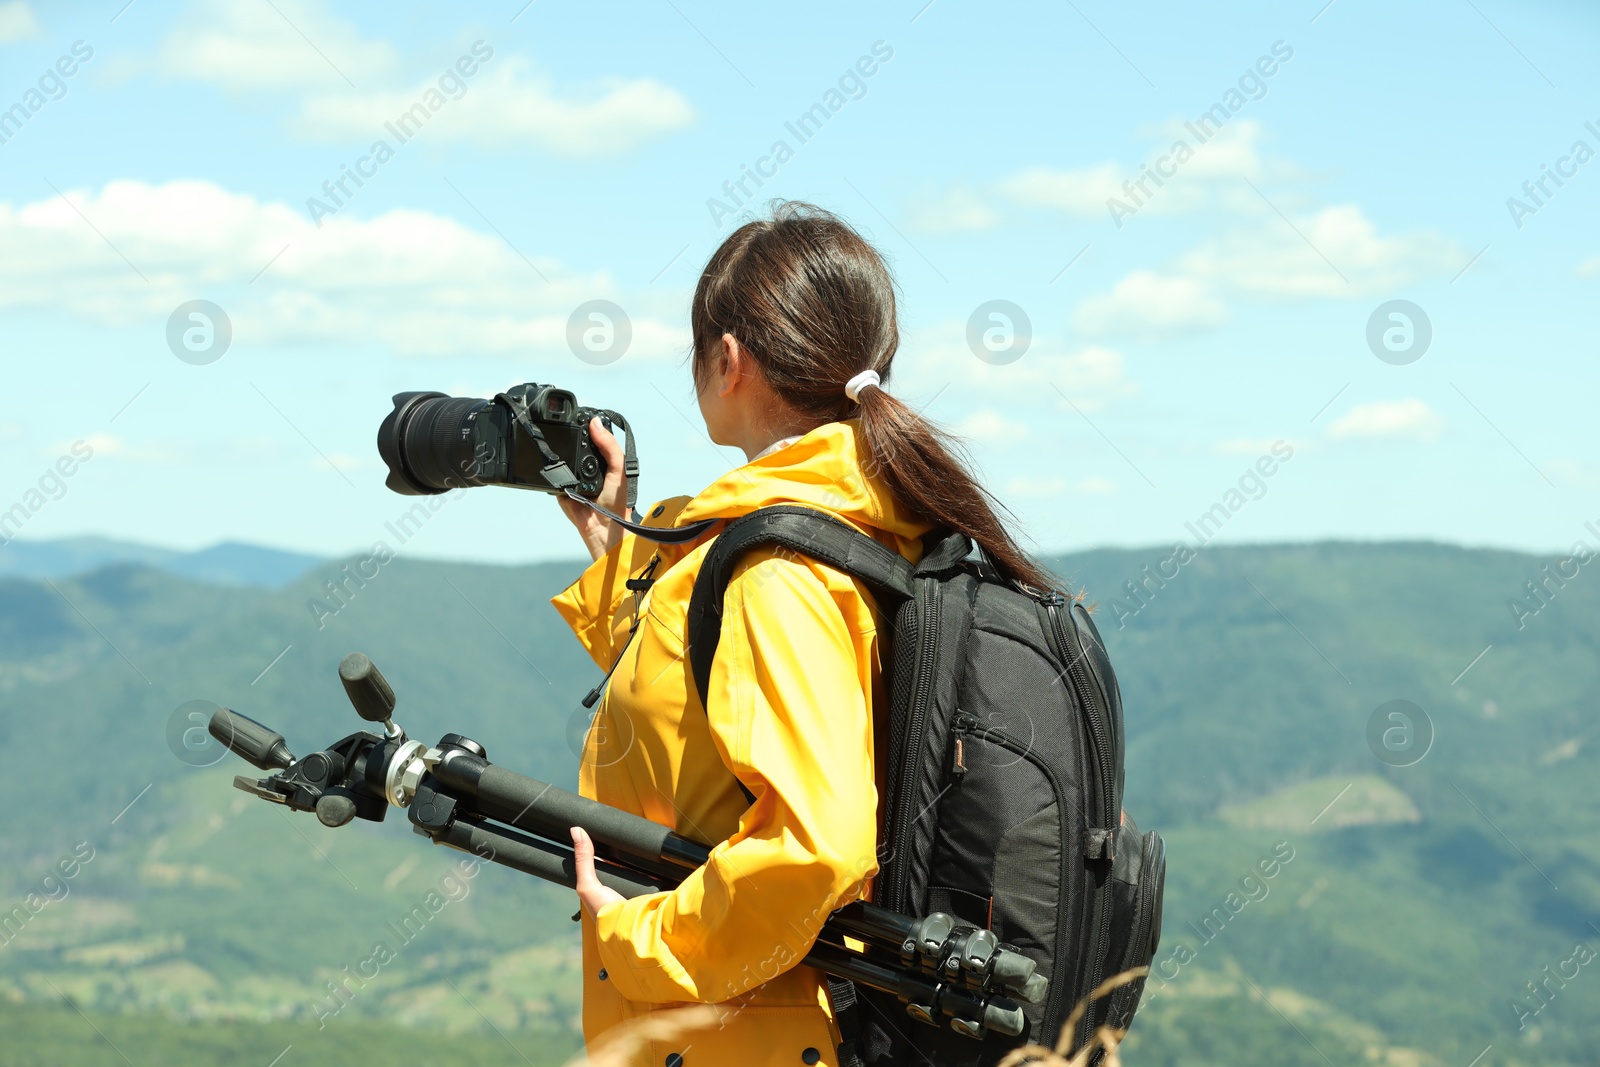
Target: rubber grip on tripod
pixel 366 687
pixel 551 811
pixel 261 747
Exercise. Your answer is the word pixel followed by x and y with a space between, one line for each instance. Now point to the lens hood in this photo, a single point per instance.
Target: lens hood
pixel 391 436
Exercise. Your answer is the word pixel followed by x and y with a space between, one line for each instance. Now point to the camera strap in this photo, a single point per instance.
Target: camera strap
pixel 661 535
pixel 640 586
pixel 561 478
pixel 555 469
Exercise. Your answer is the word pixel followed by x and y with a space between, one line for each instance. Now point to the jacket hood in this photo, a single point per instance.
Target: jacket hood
pixel 823 469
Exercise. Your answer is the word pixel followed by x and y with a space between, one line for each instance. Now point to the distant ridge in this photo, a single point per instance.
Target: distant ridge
pixel 228 563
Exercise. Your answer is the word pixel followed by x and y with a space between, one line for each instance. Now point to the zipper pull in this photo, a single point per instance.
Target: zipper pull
pixel 963 725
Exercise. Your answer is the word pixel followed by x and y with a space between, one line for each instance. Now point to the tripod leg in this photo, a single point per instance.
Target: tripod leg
pixel 542 859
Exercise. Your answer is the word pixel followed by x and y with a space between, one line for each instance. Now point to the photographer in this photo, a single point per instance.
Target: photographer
pixel 794 334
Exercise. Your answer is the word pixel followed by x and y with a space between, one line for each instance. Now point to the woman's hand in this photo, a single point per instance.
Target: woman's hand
pixel 593 895
pixel 599 533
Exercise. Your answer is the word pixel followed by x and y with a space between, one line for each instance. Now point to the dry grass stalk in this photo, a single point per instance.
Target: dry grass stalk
pixel 1105 1037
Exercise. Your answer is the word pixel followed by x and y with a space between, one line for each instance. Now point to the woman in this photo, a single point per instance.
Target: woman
pixel 794 333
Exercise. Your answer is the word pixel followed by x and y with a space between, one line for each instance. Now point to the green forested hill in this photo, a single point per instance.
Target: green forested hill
pixel 1419 903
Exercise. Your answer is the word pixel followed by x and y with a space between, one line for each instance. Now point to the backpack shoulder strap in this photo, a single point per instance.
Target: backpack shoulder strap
pixel 847 1017
pixel 807 531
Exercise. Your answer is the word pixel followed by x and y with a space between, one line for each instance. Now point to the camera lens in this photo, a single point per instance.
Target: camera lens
pixel 427 443
pixel 438 441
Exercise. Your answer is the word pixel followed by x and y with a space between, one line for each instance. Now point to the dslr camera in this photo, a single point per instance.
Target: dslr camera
pixel 531 436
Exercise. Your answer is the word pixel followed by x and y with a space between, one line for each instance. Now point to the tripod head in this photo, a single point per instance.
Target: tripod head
pixel 944 971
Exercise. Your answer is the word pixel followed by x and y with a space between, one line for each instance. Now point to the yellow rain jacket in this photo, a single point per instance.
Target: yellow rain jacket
pixel 790 715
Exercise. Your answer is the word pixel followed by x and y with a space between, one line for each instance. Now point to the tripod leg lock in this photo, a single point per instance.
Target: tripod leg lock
pixel 432 812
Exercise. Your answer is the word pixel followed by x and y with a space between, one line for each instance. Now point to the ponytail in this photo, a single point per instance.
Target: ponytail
pixel 814 304
pixel 925 468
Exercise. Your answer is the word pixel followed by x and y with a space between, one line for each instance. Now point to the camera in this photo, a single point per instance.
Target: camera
pixel 531 436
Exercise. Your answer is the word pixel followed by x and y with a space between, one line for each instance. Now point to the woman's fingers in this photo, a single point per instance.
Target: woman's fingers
pixel 606 442
pixel 610 449
pixel 598 532
pixel 613 495
pixel 583 858
pixel 592 893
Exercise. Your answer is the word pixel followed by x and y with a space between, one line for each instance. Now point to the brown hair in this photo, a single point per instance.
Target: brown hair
pixel 814 304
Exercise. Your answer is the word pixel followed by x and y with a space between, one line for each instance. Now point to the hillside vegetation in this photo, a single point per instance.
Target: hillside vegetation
pixel 1426 911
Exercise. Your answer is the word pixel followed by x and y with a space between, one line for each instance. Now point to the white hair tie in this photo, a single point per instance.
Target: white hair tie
pixel 864 380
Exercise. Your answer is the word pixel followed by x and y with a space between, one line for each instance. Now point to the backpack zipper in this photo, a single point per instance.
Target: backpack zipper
pixel 1101 912
pixel 927 661
pixel 1099 735
pixel 965 723
pixel 1113 723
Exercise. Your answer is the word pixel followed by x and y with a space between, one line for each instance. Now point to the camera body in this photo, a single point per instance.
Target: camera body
pixel 531 436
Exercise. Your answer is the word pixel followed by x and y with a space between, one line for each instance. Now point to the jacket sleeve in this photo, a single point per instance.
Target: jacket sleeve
pixel 590 604
pixel 788 707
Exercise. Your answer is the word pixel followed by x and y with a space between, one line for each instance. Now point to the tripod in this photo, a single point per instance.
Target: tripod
pixel 943 971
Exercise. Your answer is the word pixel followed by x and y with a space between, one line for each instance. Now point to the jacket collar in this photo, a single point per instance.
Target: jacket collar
pixel 821 469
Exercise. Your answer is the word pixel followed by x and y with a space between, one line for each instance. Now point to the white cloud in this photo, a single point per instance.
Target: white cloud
pixel 987 424
pixel 1268 261
pixel 352 85
pixel 102 444
pixel 1210 175
pixel 1333 252
pixel 1247 446
pixel 507 105
pixel 1572 472
pixel 419 283
pixel 1410 419
pixel 937 361
pixel 17 22
pixel 290 44
pixel 1055 486
pixel 1035 486
pixel 1229 154
pixel 1146 304
pixel 105 445
pixel 1336 253
pixel 958 211
pixel 1081 192
pixel 1093 369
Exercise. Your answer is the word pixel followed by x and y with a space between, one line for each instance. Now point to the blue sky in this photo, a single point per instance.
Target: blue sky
pixel 1172 339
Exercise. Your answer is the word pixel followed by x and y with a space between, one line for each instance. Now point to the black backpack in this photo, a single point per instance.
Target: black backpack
pixel 1003 801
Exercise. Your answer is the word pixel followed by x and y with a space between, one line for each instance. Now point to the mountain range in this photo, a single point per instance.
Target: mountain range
pixel 228 563
pixel 1441 887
